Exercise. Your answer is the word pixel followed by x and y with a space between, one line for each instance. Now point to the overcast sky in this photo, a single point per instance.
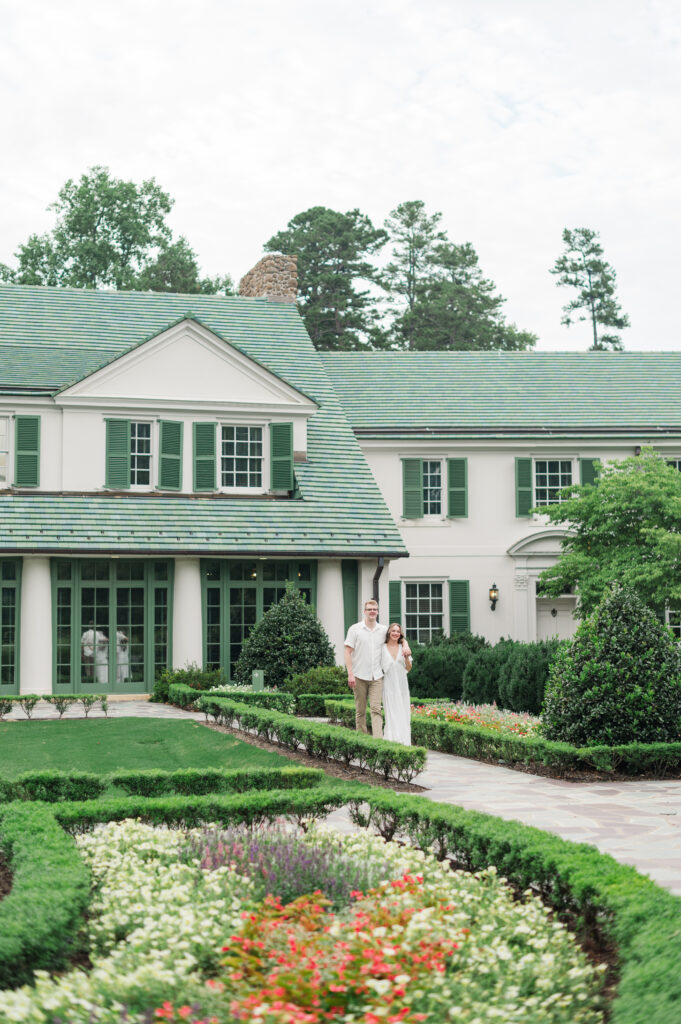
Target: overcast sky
pixel 514 120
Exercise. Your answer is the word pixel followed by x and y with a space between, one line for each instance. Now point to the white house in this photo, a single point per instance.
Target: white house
pixel 168 462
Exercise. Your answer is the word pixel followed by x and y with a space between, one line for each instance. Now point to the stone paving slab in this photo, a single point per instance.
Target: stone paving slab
pixel 637 822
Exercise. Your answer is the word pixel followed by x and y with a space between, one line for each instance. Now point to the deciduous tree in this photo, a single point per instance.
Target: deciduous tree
pixel 624 529
pixel 110 233
pixel 582 266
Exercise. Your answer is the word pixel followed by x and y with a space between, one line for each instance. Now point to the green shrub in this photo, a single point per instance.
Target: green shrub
pixel 522 677
pixel 192 675
pixel 288 640
pixel 322 679
pixel 200 781
pixel 439 666
pixel 6 706
pixel 186 697
pixel 481 674
pixel 53 786
pixel 618 681
pixel 40 917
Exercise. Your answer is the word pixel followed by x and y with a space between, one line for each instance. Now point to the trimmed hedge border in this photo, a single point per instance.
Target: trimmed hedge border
pixel 186 696
pixel 306 705
pixel 61 702
pixel 326 742
pixel 610 899
pixel 659 759
pixel 55 786
pixel 41 916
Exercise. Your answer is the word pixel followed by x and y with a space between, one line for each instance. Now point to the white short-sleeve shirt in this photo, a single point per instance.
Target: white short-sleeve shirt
pixel 366 649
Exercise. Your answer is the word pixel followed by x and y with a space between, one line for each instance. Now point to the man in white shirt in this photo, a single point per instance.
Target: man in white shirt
pixel 363 661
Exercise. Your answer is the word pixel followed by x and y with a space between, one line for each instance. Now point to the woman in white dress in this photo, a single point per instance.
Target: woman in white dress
pixel 396 700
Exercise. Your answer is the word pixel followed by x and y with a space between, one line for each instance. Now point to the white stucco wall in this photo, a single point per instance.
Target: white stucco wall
pixel 476 548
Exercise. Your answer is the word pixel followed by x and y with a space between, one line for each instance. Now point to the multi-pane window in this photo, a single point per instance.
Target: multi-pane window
pixel 241 457
pixel 676 463
pixel 432 488
pixel 4 450
pixel 140 454
pixel 423 611
pixel 550 476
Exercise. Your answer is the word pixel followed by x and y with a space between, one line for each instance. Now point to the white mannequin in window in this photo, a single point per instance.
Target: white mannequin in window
pixel 122 657
pixel 95 654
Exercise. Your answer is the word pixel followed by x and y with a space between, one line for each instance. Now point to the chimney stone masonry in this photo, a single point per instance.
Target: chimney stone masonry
pixel 274 277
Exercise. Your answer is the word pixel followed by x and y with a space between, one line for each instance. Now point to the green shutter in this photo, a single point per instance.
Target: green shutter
pixel 523 487
pixel 350 580
pixel 117 454
pixel 395 600
pixel 170 455
pixel 459 607
pixel 588 473
pixel 412 488
pixel 204 456
pixel 457 488
pixel 27 451
pixel 281 456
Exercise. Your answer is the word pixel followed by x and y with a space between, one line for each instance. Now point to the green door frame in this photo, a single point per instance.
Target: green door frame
pixel 10 584
pixel 75 584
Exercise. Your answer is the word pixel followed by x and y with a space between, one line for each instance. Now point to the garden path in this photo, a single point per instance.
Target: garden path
pixel 637 822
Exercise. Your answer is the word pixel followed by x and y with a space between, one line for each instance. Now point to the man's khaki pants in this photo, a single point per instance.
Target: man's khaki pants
pixel 373 689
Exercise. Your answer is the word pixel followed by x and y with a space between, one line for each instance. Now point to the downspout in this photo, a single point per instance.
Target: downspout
pixel 377 576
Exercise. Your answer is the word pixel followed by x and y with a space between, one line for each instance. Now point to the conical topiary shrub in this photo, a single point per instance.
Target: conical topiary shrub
pixel 619 681
pixel 289 639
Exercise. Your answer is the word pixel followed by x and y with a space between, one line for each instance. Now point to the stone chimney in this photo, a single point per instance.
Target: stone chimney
pixel 274 277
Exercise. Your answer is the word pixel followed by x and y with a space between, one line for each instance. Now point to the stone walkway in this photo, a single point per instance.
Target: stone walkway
pixel 637 822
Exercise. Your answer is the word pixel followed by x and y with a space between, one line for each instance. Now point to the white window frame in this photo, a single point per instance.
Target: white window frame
pixel 437 581
pixel 675 461
pixel 7 482
pixel 153 461
pixel 424 489
pixel 264 458
pixel 535 487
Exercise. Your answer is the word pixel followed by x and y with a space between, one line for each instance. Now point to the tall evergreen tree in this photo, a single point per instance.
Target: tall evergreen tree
pixel 456 308
pixel 582 266
pixel 334 252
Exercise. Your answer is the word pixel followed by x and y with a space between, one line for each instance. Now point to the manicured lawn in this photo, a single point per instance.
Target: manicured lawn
pixel 105 745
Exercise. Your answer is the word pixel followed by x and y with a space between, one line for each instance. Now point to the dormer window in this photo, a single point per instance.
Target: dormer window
pixel 241 457
pixel 140 454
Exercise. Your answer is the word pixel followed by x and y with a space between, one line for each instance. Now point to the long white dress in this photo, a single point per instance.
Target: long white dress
pixel 396 700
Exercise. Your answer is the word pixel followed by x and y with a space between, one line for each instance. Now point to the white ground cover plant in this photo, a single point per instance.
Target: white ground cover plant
pixel 157 927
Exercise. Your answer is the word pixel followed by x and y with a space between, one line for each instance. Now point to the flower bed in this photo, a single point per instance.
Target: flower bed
pixel 176 928
pixel 485 716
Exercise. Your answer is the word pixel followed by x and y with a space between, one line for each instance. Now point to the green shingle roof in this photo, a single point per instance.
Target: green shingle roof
pixel 403 393
pixel 50 337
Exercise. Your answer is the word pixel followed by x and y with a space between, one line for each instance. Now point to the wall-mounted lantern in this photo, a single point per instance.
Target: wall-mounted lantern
pixel 493 595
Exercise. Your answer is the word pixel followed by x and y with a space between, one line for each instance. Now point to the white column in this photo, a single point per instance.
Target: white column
pixel 187 613
pixel 35 641
pixel 330 603
pixel 521 625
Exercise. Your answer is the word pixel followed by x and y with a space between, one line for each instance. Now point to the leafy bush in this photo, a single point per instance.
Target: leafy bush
pixel 199 781
pixel 6 706
pixel 618 681
pixel 323 679
pixel 40 918
pixel 522 677
pixel 53 786
pixel 439 666
pixel 192 675
pixel 481 675
pixel 288 640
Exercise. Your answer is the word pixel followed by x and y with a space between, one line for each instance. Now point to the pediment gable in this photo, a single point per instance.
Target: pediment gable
pixel 538 545
pixel 190 365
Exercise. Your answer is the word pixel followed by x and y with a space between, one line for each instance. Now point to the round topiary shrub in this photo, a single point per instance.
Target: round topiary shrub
pixel 619 681
pixel 288 640
pixel 327 679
